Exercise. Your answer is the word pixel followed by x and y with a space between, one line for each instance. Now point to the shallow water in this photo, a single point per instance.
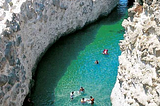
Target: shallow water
pixel 69 64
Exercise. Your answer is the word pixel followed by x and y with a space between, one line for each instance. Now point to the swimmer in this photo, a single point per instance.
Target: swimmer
pixel 105 51
pixel 81 90
pixel 71 95
pixel 83 101
pixel 91 99
pixel 96 62
pixel 30 102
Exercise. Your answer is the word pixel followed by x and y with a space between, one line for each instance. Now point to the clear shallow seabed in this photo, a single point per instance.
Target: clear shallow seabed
pixel 69 64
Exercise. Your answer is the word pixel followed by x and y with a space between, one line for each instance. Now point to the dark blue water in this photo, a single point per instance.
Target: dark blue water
pixel 69 64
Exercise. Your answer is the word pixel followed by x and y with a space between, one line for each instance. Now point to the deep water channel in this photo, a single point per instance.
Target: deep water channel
pixel 69 64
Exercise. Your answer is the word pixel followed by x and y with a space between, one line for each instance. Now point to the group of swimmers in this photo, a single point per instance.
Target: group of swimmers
pixel 91 99
pixel 81 90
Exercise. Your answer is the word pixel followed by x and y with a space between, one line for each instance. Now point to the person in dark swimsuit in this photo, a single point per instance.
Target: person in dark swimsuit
pixel 81 90
pixel 96 62
pixel 71 95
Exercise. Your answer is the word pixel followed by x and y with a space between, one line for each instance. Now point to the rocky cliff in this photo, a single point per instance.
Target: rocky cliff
pixel 28 28
pixel 138 79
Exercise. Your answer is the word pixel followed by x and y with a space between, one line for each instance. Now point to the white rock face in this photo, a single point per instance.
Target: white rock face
pixel 138 80
pixel 28 28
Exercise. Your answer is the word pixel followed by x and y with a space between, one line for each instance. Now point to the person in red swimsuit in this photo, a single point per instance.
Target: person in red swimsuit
pixel 105 51
pixel 92 100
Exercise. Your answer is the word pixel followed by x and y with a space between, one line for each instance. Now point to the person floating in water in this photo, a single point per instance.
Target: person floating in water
pixel 30 102
pixel 81 90
pixel 91 99
pixel 71 95
pixel 83 101
pixel 96 62
pixel 105 51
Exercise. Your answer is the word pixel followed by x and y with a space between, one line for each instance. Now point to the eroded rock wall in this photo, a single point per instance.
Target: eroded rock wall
pixel 138 80
pixel 28 28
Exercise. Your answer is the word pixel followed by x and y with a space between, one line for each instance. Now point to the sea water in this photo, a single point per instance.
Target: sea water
pixel 69 64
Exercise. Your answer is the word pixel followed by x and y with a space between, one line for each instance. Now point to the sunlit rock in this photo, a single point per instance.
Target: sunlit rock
pixel 139 71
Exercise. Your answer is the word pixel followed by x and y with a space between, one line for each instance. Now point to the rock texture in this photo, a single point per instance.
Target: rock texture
pixel 138 79
pixel 28 28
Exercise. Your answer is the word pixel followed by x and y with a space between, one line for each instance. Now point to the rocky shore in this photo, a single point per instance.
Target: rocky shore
pixel 28 28
pixel 138 79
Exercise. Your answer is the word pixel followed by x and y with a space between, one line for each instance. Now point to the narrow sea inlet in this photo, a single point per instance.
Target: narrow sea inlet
pixel 69 64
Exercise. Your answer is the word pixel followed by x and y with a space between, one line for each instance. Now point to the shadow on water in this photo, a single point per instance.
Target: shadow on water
pixel 56 60
pixel 117 14
pixel 62 52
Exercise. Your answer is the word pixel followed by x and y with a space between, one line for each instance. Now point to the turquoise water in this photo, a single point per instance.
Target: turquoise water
pixel 69 64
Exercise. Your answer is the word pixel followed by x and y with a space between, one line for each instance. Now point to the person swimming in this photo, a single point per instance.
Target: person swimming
pixel 96 62
pixel 91 99
pixel 83 101
pixel 81 90
pixel 71 95
pixel 105 51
